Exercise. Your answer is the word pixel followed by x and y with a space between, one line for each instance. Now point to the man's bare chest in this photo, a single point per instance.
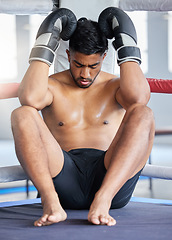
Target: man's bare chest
pixel 83 112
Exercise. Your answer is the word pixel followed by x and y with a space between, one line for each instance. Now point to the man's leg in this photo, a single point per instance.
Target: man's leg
pixel 41 157
pixel 126 156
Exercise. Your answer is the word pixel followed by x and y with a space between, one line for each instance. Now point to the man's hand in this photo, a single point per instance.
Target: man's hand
pixel 116 23
pixel 61 23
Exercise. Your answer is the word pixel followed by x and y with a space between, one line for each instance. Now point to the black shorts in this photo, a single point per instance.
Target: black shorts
pixel 82 176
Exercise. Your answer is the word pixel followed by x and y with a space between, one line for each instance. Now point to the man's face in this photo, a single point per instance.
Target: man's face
pixel 84 68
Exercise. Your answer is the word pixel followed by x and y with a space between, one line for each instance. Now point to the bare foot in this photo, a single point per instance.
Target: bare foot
pixel 52 212
pixel 99 213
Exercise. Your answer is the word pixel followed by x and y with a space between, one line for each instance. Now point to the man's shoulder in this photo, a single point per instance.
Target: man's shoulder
pixel 109 78
pixel 60 77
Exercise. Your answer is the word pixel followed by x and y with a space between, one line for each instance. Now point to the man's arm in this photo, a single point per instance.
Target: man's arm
pixel 134 88
pixel 9 90
pixel 34 89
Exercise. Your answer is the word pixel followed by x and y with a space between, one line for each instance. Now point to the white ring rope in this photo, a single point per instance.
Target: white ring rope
pixel 155 171
pixel 25 7
pixel 16 173
pixel 12 173
pixel 146 5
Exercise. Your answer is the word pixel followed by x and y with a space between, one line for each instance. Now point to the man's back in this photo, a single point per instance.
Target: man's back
pixel 83 117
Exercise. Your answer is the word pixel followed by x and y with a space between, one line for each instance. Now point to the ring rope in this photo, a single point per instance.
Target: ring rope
pixel 155 171
pixel 160 85
pixel 23 7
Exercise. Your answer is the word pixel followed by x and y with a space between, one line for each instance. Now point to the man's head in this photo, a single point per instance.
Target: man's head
pixel 88 38
pixel 87 49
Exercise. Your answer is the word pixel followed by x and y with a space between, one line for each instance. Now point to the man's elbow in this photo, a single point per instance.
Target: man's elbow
pixel 143 99
pixel 29 101
pixel 142 96
pixel 138 100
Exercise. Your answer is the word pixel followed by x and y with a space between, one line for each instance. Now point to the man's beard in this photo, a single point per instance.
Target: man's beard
pixel 89 80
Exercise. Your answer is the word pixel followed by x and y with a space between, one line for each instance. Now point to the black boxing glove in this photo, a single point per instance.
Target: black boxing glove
pixel 61 23
pixel 114 22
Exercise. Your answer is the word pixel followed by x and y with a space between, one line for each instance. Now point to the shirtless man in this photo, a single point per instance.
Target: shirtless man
pixel 96 133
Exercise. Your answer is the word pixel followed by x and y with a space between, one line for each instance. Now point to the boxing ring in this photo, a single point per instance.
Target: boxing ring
pixel 140 219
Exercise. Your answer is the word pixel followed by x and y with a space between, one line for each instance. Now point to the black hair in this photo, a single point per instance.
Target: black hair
pixel 88 38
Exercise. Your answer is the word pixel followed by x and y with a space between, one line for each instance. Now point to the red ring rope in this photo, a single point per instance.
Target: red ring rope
pixel 160 85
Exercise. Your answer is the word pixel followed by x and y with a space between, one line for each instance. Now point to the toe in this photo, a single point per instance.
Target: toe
pixel 38 223
pixel 41 221
pixel 94 219
pixel 111 222
pixel 103 219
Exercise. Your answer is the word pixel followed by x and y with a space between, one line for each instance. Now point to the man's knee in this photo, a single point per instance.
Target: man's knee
pixel 141 112
pixel 21 115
